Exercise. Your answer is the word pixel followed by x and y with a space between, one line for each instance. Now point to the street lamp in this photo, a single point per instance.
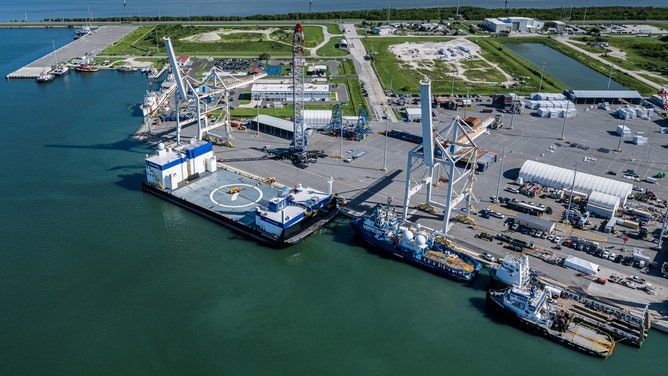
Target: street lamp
pixel 385 151
pixel 466 100
pixel 563 128
pixel 621 135
pixel 540 86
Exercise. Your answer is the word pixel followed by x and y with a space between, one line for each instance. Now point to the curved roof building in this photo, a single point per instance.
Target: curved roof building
pixel 562 178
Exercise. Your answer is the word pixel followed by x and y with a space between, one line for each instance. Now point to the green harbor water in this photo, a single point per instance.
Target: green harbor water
pixel 99 278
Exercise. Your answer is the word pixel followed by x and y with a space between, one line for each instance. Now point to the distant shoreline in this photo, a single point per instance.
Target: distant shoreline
pixel 576 14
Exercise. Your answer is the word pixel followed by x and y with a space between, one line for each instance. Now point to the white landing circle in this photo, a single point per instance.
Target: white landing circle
pixel 226 199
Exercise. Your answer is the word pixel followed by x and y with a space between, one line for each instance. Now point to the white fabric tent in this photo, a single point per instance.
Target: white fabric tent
pixel 562 178
pixel 602 204
pixel 581 265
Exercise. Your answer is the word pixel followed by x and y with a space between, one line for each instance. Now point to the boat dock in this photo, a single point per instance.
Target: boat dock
pixel 89 45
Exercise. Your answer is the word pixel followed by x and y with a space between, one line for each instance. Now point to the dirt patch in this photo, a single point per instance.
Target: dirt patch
pixel 414 54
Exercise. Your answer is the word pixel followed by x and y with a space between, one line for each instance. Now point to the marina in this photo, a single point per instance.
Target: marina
pixel 89 45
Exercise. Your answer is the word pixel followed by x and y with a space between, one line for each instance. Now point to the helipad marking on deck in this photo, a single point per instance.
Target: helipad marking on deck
pixel 235 195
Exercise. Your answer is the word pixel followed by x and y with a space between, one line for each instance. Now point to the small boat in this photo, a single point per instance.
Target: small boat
pixel 45 77
pixel 86 68
pixel 414 244
pixel 126 68
pixel 531 307
pixel 82 32
pixel 61 70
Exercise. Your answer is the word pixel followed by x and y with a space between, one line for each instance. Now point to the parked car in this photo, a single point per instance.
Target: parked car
pixel 538 234
pixel 557 239
pixel 515 226
pixel 550 237
pixel 488 257
pixel 497 215
pixel 612 256
pixel 636 279
pixel 532 232
pixel 512 190
pixel 605 254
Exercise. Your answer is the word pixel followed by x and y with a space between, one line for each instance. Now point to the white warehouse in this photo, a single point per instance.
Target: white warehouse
pixel 562 178
pixel 518 24
pixel 283 92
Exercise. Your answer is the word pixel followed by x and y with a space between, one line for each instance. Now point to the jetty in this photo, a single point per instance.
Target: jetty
pixel 89 45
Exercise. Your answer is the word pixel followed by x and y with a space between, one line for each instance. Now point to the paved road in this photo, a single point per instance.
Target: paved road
pixel 377 100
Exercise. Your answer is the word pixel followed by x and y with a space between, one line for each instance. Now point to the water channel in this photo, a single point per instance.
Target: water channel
pixel 568 71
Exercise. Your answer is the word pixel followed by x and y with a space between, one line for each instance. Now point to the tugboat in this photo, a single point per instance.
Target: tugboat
pixel 414 244
pixel 86 68
pixel 533 309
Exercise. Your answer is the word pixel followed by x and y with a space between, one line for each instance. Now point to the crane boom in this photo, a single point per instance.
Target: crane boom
pixel 298 63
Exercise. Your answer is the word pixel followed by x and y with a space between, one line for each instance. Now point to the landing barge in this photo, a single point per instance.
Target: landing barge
pixel 260 209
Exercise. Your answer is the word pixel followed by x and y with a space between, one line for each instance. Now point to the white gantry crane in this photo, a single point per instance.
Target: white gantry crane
pixel 448 156
pixel 207 95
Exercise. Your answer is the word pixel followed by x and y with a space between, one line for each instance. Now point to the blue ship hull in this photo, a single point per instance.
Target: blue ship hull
pixel 382 243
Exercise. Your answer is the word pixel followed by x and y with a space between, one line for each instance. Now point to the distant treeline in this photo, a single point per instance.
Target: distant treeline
pixel 616 14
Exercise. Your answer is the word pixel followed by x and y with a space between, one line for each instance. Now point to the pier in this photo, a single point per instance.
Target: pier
pixel 91 45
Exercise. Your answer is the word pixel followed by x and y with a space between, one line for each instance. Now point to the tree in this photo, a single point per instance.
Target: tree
pixel 264 56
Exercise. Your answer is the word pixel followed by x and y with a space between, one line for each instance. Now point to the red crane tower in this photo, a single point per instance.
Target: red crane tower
pixel 298 63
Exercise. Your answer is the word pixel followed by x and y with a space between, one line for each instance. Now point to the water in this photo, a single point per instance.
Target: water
pixel 566 70
pixel 99 278
pixel 36 10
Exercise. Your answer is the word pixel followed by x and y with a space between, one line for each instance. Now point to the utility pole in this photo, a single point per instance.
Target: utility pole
pixel 570 198
pixel 540 86
pixel 621 135
pixel 563 128
pixel 498 186
pixel 466 100
pixel 385 150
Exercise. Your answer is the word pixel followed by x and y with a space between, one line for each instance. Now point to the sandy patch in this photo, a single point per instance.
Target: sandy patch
pixel 137 63
pixel 208 37
pixel 452 51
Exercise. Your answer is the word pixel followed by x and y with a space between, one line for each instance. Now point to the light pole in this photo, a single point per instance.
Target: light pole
pixel 498 186
pixel 466 100
pixel 540 86
pixel 512 115
pixel 563 128
pixel 570 198
pixel 621 135
pixel 385 150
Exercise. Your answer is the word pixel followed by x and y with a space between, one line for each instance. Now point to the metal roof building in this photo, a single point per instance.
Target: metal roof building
pixel 562 178
pixel 610 96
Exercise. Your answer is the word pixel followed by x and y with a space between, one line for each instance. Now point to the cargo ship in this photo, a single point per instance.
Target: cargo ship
pixel 534 310
pixel 258 208
pixel 385 232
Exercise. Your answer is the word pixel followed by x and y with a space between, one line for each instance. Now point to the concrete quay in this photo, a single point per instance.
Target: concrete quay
pixel 90 45
pixel 364 183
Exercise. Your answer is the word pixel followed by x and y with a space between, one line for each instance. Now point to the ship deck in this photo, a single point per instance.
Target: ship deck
pixel 588 337
pixel 212 192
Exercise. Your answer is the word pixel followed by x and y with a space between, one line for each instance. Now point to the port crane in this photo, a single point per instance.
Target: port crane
pixel 442 151
pixel 207 95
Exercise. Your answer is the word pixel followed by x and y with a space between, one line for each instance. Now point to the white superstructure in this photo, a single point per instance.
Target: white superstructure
pixel 170 166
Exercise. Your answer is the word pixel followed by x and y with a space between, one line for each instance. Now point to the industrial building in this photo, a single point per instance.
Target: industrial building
pixel 562 178
pixel 283 92
pixel 414 114
pixel 610 96
pixel 509 24
pixel 313 119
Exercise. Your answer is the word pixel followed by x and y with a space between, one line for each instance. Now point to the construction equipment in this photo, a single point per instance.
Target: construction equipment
pixel 237 189
pixel 465 220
